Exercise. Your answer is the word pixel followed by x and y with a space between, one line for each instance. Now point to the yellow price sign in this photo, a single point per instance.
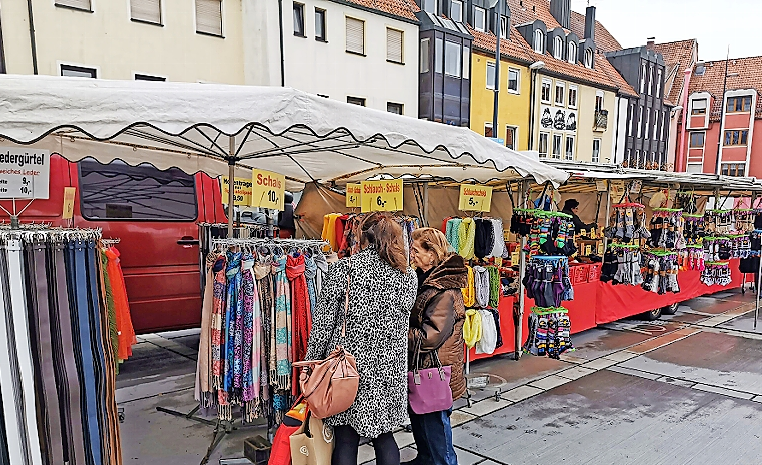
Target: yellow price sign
pixel 268 189
pixel 353 195
pixel 241 192
pixel 68 202
pixel 475 198
pixel 381 196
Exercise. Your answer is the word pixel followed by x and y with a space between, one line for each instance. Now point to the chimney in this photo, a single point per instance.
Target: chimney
pixel 590 23
pixel 561 10
pixel 650 43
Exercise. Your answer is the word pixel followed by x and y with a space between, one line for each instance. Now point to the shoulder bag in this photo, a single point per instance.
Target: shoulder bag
pixel 429 389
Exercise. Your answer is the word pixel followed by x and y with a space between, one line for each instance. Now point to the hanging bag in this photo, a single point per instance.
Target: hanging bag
pixel 312 443
pixel 330 386
pixel 429 390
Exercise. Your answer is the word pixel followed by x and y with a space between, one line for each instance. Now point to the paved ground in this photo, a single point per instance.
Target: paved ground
pixel 686 389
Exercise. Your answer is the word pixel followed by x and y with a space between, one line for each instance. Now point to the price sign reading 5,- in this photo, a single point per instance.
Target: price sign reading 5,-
pixel 268 189
pixel 475 198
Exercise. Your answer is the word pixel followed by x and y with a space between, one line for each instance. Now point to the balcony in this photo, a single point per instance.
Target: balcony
pixel 601 122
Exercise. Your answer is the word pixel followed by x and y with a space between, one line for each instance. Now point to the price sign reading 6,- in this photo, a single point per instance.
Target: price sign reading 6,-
pixel 381 196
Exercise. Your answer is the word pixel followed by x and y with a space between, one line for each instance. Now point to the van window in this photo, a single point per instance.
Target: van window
pixel 118 191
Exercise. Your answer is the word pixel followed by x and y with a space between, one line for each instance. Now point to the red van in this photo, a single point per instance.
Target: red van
pixel 155 214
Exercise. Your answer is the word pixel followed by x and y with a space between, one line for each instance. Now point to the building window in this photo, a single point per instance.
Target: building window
pixel 429 6
pixel 557 146
pixel 425 43
pixel 543 145
pixel 656 124
pixel 560 93
pixel 642 78
pixel 148 11
pixel 320 25
pixel 632 120
pixel 78 71
pixel 355 36
pixel 356 101
pixel 503 26
pixel 488 130
pixel 396 108
pixel 733 169
pixel 510 137
pixel 739 104
pixel 658 84
pixel 438 55
pixel 452 59
pixel 636 163
pixel 78 4
pixel 572 52
pixel 650 79
pixel 513 80
pixel 572 96
pixel 480 17
pixel 209 17
pixel 545 93
pixel 589 58
pixel 558 48
pixel 456 10
pixel 491 76
pixel 569 153
pixel 466 63
pixel 539 41
pixel 596 151
pixel 299 20
pixel 736 137
pixel 148 77
pixel 646 126
pixel 697 140
pixel 640 122
pixel 665 122
pixel 394 43
pixel 698 107
pixel 599 101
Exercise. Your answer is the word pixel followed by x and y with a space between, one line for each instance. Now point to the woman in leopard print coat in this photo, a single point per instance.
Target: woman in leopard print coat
pixel 382 291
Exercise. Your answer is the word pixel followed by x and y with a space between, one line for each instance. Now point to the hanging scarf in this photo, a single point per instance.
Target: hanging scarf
pixel 121 304
pixel 300 306
pixel 111 308
pixel 252 324
pixel 469 294
pixel 483 241
pixel 453 227
pixel 310 273
pixel 481 286
pixel 488 341
pixel 322 270
pixel 466 238
pixel 231 381
pixel 472 328
pixel 498 246
pixel 263 275
pixel 204 361
pixel 283 336
pixel 218 322
pixel 494 286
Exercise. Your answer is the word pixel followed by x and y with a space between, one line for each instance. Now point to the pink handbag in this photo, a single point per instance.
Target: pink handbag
pixel 429 390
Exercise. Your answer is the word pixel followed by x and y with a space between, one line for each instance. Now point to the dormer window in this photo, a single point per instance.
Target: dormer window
pixel 456 10
pixel 589 58
pixel 572 53
pixel 480 16
pixel 558 48
pixel 539 41
pixel 503 26
pixel 429 6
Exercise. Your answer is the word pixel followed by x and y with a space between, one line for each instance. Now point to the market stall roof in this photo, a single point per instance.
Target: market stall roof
pixel 302 136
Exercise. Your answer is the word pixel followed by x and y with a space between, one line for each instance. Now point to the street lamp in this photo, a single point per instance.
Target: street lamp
pixel 534 67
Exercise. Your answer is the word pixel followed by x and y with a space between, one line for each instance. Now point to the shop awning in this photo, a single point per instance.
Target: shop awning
pixel 302 136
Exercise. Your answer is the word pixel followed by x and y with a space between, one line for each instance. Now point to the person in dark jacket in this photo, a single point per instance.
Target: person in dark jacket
pixel 571 207
pixel 436 325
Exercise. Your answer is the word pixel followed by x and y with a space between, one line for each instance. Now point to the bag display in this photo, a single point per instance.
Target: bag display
pixel 312 443
pixel 429 389
pixel 293 421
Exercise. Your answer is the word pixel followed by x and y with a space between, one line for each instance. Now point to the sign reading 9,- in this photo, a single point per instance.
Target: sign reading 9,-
pixel 475 198
pixel 381 196
pixel 353 195
pixel 268 189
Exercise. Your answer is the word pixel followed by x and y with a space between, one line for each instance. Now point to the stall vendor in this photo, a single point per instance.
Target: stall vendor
pixel 571 207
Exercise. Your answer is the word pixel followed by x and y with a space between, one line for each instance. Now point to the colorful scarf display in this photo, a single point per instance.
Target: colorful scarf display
pixel 494 286
pixel 469 293
pixel 218 323
pixel 300 310
pixel 466 238
pixel 125 330
pixel 283 328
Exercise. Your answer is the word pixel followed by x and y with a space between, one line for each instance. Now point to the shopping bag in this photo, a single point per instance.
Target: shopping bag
pixel 312 444
pixel 280 452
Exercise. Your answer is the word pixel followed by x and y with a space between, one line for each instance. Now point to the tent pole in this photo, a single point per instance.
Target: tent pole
pixel 425 218
pixel 231 186
pixel 518 322
pixel 608 219
pixel 759 276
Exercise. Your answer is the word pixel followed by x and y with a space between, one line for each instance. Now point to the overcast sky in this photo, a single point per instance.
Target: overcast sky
pixel 715 23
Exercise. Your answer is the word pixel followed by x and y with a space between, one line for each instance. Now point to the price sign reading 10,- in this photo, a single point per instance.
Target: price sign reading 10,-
pixel 268 189
pixel 475 198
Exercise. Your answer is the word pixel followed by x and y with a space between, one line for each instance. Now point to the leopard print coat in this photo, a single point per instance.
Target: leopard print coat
pixel 380 300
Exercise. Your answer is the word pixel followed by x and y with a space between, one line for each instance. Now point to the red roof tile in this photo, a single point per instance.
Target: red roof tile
pixel 402 8
pixel 749 77
pixel 678 56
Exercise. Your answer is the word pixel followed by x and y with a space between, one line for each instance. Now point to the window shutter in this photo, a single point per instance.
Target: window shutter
pixel 81 4
pixel 355 36
pixel 146 10
pixel 394 45
pixel 209 16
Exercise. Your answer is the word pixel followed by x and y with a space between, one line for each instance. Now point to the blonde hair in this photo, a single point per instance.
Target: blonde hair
pixel 433 240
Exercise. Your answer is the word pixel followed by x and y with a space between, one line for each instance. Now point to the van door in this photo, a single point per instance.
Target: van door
pixel 154 214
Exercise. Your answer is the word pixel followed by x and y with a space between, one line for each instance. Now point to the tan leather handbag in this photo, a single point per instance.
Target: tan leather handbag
pixel 330 386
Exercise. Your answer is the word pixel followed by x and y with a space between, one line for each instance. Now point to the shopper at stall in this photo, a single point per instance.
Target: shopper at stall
pixel 571 207
pixel 436 328
pixel 382 290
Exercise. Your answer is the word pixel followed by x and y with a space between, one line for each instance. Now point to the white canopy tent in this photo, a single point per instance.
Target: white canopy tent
pixel 212 128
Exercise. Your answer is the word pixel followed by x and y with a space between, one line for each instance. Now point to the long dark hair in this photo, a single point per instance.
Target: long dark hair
pixel 382 232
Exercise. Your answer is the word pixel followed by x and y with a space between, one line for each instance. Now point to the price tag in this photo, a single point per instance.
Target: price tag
pixel 268 189
pixel 475 198
pixel 68 203
pixel 353 195
pixel 616 191
pixel 600 185
pixel 24 173
pixel 381 196
pixel 241 194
